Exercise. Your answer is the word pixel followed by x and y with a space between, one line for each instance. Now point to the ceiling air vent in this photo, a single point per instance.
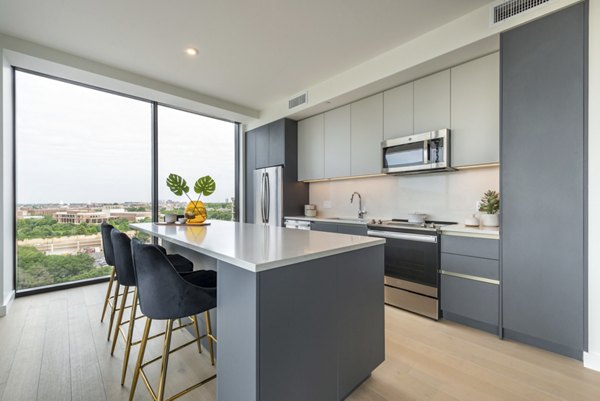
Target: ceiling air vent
pixel 298 100
pixel 510 8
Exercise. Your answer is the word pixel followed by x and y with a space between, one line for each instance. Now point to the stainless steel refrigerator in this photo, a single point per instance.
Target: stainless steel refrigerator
pixel 268 196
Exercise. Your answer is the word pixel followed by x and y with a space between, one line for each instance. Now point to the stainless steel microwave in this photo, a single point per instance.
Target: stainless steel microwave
pixel 419 153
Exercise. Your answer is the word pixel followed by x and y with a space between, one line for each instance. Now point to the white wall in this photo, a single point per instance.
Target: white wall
pixel 592 358
pixel 443 196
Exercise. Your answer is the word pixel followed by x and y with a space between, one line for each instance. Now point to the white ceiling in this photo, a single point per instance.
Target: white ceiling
pixel 252 52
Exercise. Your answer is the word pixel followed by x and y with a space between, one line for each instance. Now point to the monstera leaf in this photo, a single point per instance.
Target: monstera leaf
pixel 205 185
pixel 177 184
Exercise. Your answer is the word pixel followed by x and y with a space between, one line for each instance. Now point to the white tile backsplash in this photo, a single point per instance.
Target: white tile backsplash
pixel 450 196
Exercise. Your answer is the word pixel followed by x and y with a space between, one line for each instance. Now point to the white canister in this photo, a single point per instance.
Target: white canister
pixel 310 210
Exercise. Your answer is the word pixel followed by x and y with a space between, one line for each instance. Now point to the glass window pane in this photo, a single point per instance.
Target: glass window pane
pixel 83 157
pixel 192 146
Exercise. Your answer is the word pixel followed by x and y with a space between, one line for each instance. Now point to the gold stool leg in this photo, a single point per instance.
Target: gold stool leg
pixel 119 319
pixel 140 360
pixel 210 338
pixel 129 336
pixel 112 312
pixel 197 330
pixel 110 284
pixel 165 361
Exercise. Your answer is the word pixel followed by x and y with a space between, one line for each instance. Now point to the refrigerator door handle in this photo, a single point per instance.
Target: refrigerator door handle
pixel 262 197
pixel 268 197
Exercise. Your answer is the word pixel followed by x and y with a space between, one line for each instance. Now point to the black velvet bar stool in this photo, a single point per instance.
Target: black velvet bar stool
pixel 105 229
pixel 109 300
pixel 121 244
pixel 166 295
pixel 181 263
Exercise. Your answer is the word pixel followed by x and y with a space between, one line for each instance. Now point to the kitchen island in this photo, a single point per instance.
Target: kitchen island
pixel 300 313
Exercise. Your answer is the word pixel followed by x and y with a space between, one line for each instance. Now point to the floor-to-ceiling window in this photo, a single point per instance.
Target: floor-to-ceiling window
pixel 82 157
pixel 193 146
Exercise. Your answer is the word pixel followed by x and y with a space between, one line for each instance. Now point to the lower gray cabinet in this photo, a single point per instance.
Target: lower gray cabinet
pixel 470 302
pixel 352 229
pixel 321 226
pixel 469 285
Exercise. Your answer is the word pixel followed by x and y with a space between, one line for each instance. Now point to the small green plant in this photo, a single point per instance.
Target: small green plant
pixel 490 203
pixel 203 186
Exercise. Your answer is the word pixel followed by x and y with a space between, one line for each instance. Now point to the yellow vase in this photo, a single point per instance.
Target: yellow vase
pixel 195 212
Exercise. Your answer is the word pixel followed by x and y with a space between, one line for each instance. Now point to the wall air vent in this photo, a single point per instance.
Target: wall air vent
pixel 510 8
pixel 298 100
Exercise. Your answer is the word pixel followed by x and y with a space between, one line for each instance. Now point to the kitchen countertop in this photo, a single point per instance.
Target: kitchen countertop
pixel 478 232
pixel 343 220
pixel 257 247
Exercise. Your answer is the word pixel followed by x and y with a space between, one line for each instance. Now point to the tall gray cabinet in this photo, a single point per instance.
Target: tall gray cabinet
pixel 275 144
pixel 543 134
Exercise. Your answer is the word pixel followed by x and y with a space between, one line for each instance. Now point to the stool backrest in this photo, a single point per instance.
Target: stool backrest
pixel 123 261
pixel 107 247
pixel 163 293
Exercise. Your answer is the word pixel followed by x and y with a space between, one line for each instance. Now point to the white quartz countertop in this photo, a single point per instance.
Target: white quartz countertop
pixel 465 231
pixel 257 247
pixel 343 220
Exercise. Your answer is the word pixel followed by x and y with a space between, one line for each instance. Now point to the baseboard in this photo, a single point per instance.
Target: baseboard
pixel 476 324
pixel 7 303
pixel 591 360
pixel 544 344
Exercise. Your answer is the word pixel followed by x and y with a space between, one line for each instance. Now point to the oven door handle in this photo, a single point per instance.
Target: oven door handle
pixel 433 239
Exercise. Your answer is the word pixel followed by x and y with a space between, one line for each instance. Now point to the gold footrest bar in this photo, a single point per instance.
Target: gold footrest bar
pixel 195 386
pixel 164 358
pixel 179 394
pixel 171 351
pixel 154 335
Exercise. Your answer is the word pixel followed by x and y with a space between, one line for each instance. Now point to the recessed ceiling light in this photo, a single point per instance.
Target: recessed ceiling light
pixel 192 51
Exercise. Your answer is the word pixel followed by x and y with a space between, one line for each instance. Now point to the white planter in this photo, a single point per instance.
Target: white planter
pixel 490 220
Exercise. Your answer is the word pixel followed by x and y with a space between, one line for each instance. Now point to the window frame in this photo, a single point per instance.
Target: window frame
pixel 153 137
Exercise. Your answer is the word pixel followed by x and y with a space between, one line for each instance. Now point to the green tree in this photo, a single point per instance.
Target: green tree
pixel 136 209
pixel 36 269
pixel 47 227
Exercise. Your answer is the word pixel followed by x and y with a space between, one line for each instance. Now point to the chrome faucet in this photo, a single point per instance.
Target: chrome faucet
pixel 361 211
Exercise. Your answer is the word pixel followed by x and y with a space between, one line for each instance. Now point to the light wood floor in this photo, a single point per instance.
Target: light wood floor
pixel 53 347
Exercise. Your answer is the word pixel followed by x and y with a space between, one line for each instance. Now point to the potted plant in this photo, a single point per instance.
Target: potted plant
pixel 489 207
pixel 195 212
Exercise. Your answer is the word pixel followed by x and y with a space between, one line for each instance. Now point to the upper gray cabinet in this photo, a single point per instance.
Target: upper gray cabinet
pixel 398 111
pixel 367 134
pixel 432 102
pixel 475 112
pixel 311 158
pixel 270 144
pixel 337 142
pixel 261 138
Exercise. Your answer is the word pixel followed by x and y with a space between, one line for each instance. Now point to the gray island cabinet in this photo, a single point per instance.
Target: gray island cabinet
pixel 300 313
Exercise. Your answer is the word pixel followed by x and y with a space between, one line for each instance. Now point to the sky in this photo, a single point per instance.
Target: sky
pixel 78 145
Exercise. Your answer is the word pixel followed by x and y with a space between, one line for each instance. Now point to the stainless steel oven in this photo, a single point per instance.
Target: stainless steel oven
pixel 412 261
pixel 419 153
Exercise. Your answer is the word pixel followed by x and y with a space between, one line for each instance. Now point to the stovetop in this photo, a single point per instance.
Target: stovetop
pixel 403 224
